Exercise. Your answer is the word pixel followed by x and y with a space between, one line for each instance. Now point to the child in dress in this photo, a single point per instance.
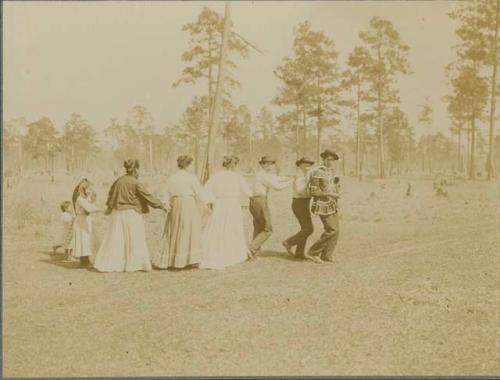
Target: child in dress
pixel 82 231
pixel 65 237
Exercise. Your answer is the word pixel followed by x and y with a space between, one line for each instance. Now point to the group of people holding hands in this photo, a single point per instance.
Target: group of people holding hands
pixel 221 242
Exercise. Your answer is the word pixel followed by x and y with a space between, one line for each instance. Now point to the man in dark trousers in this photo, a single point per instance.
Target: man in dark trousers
pixel 301 209
pixel 322 189
pixel 265 180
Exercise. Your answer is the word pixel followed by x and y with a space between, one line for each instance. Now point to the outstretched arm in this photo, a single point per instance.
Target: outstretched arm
pixel 275 182
pixel 87 206
pixel 150 199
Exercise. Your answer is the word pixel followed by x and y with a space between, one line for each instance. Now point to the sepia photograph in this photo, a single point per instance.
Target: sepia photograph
pixel 250 188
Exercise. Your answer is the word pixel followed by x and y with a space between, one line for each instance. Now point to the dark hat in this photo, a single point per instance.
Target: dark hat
pixel 267 159
pixel 304 160
pixel 329 153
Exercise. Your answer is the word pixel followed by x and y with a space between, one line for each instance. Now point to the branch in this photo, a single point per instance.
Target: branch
pixel 246 42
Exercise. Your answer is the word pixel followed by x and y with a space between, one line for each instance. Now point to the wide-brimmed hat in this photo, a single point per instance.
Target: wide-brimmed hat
pixel 304 160
pixel 329 153
pixel 267 160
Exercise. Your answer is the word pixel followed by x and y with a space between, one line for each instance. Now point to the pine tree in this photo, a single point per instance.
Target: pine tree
pixel 388 58
pixel 479 47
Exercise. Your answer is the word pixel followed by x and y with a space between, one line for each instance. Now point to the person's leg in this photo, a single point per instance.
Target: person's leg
pixel 332 225
pixel 320 245
pixel 255 211
pixel 306 227
pixel 261 213
pixel 297 211
pixel 294 239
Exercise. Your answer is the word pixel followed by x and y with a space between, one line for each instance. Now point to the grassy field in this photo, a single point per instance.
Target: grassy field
pixel 414 291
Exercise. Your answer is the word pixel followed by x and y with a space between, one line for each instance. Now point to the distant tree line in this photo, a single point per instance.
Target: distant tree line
pixel 316 93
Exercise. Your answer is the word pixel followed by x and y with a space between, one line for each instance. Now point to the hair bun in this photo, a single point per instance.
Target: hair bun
pixel 131 164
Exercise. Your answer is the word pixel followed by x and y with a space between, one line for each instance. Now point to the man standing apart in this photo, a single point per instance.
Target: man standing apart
pixel 322 189
pixel 301 209
pixel 264 181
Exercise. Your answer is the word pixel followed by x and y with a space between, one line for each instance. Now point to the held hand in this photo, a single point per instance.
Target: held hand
pixel 107 211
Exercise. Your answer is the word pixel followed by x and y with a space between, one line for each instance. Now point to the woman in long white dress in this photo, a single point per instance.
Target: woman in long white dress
pixel 223 239
pixel 181 242
pixel 124 248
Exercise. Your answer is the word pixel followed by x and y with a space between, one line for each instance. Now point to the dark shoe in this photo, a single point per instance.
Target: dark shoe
pixel 328 260
pixel 84 261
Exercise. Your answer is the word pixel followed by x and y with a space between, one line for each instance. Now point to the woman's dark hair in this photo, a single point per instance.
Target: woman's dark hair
pixel 230 161
pixel 184 161
pixel 65 206
pixel 131 166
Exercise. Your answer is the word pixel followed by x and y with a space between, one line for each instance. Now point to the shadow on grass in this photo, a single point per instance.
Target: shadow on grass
pixel 277 255
pixel 63 263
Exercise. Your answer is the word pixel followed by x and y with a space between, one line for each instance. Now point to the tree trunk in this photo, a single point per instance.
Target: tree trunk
pixel 72 159
pixel 209 75
pixel 472 169
pixel 490 166
pixel 380 137
pixel 459 154
pixel 467 150
pixel 219 94
pixel 297 134
pixel 358 130
pixel 423 157
pixel 318 124
pixel 197 156
pixel 304 133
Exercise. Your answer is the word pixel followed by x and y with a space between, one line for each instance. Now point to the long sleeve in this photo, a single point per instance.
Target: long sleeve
pixel 110 202
pixel 150 199
pixel 274 182
pixel 86 205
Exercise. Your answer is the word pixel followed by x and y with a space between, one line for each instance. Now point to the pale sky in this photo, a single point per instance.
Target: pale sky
pixel 100 59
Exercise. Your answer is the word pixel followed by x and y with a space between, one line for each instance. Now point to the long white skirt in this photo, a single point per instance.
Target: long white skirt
pixel 82 236
pixel 223 242
pixel 124 247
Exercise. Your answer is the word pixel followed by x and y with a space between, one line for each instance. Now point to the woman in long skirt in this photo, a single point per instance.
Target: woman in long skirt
pixel 181 242
pixel 124 247
pixel 82 225
pixel 223 240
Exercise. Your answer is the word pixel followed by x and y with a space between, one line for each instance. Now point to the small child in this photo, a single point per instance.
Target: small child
pixel 82 231
pixel 65 237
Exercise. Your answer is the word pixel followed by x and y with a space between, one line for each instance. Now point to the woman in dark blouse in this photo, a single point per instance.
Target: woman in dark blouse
pixel 124 246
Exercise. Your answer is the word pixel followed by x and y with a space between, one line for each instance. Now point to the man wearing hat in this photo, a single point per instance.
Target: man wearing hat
pixel 300 207
pixel 264 181
pixel 322 189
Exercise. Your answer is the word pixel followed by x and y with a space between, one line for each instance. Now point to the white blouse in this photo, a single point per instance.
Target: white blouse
pixel 227 184
pixel 185 184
